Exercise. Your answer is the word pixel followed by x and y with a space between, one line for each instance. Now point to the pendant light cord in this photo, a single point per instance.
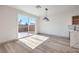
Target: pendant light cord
pixel 46 11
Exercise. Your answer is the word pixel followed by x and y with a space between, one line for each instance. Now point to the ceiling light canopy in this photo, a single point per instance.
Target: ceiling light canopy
pixel 38 6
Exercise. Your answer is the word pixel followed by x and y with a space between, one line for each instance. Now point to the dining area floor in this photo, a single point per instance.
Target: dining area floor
pixel 39 43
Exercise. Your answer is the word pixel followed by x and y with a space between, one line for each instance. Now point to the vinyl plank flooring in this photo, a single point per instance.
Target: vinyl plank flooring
pixel 52 45
pixel 2 49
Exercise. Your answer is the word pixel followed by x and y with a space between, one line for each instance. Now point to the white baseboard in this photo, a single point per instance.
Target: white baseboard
pixel 54 35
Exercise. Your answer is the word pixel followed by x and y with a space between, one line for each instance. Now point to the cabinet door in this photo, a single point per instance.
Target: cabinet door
pixel 75 20
pixel 74 39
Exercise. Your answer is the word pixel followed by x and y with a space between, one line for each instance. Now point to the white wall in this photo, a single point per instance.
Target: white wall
pixel 8 24
pixel 58 24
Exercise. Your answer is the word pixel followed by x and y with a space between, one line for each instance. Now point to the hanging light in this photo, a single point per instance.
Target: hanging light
pixel 46 17
pixel 46 10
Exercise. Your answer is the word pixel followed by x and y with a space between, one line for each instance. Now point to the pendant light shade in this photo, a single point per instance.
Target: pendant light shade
pixel 46 18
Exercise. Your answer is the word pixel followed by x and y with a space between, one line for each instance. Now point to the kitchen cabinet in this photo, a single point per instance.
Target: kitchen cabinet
pixel 74 39
pixel 75 20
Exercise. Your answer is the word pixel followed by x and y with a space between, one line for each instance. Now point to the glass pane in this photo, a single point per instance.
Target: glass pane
pixel 32 22
pixel 22 19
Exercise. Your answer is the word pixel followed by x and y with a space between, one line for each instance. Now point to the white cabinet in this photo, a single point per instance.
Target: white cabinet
pixel 74 39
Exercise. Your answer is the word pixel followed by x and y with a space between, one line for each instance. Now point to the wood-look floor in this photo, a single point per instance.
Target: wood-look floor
pixel 52 45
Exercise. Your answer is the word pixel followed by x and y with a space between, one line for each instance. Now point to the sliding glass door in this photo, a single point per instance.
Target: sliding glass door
pixel 26 26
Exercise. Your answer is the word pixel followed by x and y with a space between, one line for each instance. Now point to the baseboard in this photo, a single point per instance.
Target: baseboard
pixel 53 35
pixel 8 41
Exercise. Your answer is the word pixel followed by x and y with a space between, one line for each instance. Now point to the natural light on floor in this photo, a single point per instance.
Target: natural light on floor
pixel 23 34
pixel 33 41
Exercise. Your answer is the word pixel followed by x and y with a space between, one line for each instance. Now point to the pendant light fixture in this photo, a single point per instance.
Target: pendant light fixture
pixel 46 16
pixel 46 11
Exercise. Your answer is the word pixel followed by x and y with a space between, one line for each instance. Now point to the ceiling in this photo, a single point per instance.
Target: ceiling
pixel 53 9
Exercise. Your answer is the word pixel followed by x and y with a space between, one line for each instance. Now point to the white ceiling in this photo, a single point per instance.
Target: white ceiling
pixel 53 9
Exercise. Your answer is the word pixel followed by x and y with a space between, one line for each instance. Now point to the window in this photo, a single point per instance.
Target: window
pixel 26 23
